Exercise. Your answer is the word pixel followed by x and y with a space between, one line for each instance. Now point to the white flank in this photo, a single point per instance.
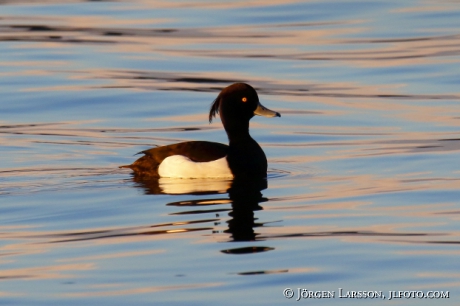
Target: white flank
pixel 179 166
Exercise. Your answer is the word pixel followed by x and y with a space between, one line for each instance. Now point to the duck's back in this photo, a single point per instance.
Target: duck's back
pixel 196 151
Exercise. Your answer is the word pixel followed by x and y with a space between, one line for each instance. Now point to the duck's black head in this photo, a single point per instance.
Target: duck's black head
pixel 237 104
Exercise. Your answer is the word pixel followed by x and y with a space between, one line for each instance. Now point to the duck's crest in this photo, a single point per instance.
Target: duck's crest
pixel 214 108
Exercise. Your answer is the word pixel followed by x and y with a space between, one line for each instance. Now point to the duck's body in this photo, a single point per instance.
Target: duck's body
pixel 192 151
pixel 243 157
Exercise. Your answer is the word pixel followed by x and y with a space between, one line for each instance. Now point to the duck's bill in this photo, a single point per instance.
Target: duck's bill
pixel 263 111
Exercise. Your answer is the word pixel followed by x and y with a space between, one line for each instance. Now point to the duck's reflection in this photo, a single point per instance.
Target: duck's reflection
pixel 176 186
pixel 244 195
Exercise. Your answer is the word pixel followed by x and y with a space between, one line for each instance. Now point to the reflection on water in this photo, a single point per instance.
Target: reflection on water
pixel 363 183
pixel 182 186
pixel 244 197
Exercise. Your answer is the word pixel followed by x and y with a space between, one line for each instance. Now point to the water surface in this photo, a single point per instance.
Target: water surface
pixel 363 184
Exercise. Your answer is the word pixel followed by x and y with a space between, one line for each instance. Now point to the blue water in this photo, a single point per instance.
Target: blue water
pixel 363 181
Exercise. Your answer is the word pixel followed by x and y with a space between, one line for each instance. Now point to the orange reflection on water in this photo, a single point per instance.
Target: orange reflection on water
pixel 366 184
pixel 46 272
pixel 139 290
pixel 112 255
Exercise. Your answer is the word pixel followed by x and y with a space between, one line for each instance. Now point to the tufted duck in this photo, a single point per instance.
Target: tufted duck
pixel 243 157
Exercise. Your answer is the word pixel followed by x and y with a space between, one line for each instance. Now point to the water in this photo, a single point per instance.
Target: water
pixel 363 181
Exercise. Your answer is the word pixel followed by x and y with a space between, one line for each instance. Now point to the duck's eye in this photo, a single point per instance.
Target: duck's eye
pixel 244 99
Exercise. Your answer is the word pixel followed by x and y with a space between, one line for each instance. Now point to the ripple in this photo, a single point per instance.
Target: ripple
pixel 247 250
pixel 292 169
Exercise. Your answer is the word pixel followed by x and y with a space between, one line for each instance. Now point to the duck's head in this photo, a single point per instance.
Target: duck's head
pixel 237 104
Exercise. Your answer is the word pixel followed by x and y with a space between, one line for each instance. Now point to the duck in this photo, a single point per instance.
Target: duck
pixel 241 158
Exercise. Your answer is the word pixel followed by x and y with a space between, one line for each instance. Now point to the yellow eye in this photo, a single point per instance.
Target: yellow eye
pixel 244 99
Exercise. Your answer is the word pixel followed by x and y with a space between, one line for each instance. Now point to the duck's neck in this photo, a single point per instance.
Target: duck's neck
pixel 238 133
